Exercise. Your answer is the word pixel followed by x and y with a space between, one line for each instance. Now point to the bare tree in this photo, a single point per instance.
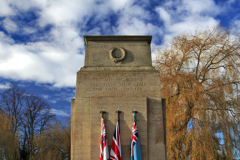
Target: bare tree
pixel 29 116
pixel 12 104
pixel 36 116
pixel 199 79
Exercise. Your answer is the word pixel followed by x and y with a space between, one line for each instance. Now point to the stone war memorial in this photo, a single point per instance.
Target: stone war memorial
pixel 117 76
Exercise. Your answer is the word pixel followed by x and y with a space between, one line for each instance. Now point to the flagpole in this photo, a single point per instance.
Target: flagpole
pixel 135 114
pixel 118 113
pixel 103 113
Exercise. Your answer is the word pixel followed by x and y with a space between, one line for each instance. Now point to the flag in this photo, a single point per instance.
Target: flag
pixel 116 144
pixel 134 144
pixel 104 154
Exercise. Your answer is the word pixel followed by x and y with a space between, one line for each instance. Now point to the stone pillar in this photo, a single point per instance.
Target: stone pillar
pixel 117 75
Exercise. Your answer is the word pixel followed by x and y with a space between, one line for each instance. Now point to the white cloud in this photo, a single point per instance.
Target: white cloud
pixel 5 40
pixel 134 20
pixel 10 25
pixel 28 30
pixel 94 31
pixel 237 23
pixel 118 5
pixel 64 12
pixel 199 7
pixel 190 24
pixel 47 62
pixel 5 86
pixel 137 27
pixel 5 9
pixel 58 112
pixel 57 54
pixel 186 16
pixel 231 1
pixel 53 101
pixel 45 96
pixel 55 57
pixel 164 15
pixel 22 85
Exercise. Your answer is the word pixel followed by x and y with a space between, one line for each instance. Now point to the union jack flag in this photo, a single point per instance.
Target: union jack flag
pixel 104 154
pixel 134 144
pixel 116 144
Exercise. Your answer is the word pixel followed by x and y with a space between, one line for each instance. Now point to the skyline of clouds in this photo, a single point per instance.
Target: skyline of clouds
pixel 41 41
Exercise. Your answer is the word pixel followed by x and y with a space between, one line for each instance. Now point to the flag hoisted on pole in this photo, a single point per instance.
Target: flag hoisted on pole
pixel 134 144
pixel 104 154
pixel 116 144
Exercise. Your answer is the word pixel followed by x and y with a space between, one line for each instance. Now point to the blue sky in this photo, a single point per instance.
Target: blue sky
pixel 42 46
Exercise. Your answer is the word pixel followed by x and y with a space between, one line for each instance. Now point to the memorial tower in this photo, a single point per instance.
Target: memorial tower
pixel 117 75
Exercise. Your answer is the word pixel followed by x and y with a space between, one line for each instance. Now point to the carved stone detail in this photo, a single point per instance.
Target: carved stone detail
pixel 115 59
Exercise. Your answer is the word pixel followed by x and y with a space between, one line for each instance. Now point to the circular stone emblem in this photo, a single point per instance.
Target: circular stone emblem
pixel 117 59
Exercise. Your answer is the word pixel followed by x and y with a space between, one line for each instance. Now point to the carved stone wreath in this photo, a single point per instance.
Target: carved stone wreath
pixel 115 59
